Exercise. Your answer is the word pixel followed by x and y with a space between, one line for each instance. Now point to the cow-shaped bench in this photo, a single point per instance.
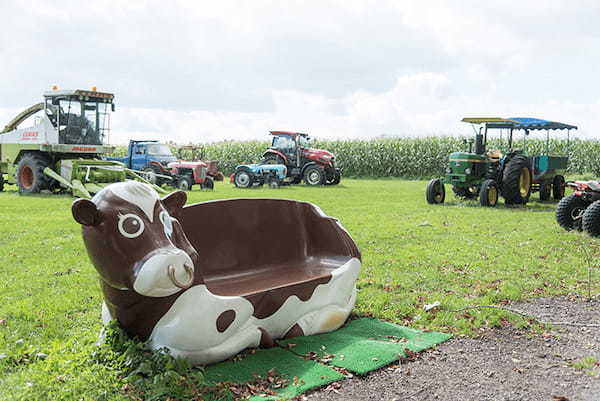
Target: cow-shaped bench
pixel 211 279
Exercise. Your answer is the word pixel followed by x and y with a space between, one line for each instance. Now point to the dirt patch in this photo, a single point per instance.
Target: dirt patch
pixel 500 365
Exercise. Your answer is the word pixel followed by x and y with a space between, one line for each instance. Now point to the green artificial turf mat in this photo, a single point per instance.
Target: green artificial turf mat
pixel 309 374
pixel 364 344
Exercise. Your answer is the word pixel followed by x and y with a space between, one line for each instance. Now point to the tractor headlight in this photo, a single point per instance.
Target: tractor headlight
pixel 467 171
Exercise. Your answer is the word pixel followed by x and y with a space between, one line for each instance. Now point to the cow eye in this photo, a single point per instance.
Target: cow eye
pixel 130 225
pixel 166 220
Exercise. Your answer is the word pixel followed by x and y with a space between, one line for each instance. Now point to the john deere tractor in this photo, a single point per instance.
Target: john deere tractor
pixel 488 173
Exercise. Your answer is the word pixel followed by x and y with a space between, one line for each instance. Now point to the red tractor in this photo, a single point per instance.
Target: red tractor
pixel 292 149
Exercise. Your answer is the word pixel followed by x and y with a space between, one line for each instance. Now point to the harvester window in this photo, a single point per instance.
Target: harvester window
pixel 81 122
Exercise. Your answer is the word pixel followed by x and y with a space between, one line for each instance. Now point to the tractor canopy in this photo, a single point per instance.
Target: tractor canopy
pixel 525 123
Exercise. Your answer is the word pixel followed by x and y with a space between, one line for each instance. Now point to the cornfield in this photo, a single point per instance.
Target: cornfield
pixel 410 158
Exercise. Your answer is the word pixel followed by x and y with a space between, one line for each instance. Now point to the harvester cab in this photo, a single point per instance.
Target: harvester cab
pixel 61 150
pixel 487 173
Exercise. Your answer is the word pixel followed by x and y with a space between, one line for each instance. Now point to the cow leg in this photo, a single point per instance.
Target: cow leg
pixel 266 341
pixel 295 331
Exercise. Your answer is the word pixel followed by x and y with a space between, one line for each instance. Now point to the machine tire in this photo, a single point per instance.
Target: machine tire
pixel 558 187
pixel 314 176
pixel 208 184
pixel 591 219
pixel 184 184
pixel 274 184
pixel 568 209
pixel 516 181
pixel 488 194
pixel 337 177
pixel 545 188
pixel 272 159
pixel 243 179
pixel 435 192
pixel 30 174
pixel 1 182
pixel 464 193
pixel 149 175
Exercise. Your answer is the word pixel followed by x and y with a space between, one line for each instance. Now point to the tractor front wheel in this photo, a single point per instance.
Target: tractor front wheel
pixel 558 187
pixel 208 184
pixel 488 194
pixel 242 179
pixel 435 192
pixel 569 212
pixel 545 188
pixel 30 174
pixel 314 176
pixel 516 181
pixel 591 219
pixel 184 184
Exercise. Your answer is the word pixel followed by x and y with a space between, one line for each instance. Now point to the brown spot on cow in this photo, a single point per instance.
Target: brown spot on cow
pixel 295 331
pixel 225 319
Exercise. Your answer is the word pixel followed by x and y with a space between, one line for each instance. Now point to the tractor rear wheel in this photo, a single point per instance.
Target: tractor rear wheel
pixel 208 184
pixel 30 174
pixel 314 176
pixel 591 219
pixel 435 192
pixel 558 187
pixel 272 159
pixel 184 184
pixel 464 192
pixel 569 212
pixel 545 188
pixel 488 194
pixel 242 179
pixel 516 181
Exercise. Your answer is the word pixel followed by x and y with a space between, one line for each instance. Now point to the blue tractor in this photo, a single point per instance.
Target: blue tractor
pixel 248 175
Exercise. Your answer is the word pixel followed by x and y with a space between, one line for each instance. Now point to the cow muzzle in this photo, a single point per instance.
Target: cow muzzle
pixel 164 273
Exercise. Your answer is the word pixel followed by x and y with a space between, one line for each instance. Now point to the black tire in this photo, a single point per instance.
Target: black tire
pixel 464 193
pixel 243 179
pixel 545 188
pixel 516 180
pixel 558 187
pixel 337 177
pixel 184 184
pixel 435 192
pixel 274 184
pixel 1 182
pixel 569 211
pixel 208 184
pixel 30 174
pixel 314 176
pixel 591 219
pixel 488 194
pixel 149 175
pixel 270 158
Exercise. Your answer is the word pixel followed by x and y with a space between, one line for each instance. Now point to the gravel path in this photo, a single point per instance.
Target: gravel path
pixel 500 365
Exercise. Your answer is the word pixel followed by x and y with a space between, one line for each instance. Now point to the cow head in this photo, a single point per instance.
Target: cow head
pixel 134 240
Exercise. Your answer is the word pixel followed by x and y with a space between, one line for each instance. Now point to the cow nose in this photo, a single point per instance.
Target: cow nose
pixel 189 270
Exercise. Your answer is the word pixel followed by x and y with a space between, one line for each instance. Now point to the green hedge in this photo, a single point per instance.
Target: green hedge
pixel 411 158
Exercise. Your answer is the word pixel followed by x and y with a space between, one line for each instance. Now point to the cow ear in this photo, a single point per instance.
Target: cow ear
pixel 85 212
pixel 174 202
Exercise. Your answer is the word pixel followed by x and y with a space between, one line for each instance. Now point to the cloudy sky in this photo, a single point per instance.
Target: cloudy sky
pixel 201 71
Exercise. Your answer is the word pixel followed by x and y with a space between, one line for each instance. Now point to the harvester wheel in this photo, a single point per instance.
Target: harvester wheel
pixel 243 179
pixel 184 184
pixel 516 181
pixel 314 176
pixel 488 194
pixel 208 184
pixel 569 212
pixel 558 187
pixel 435 192
pixel 591 219
pixel 545 188
pixel 465 193
pixel 30 174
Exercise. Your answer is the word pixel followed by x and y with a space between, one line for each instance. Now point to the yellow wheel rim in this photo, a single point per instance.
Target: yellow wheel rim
pixel 492 195
pixel 524 182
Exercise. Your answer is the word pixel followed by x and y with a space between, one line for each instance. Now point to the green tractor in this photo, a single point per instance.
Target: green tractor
pixel 487 174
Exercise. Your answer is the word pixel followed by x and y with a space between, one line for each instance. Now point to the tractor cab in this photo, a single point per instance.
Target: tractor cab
pixel 80 117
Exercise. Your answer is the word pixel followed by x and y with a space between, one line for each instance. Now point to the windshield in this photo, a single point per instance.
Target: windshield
pixel 303 141
pixel 158 149
pixel 283 142
pixel 80 122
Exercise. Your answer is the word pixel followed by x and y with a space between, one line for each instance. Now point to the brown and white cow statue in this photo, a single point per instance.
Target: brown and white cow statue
pixel 211 279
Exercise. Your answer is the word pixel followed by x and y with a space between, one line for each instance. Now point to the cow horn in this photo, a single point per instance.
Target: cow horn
pixel 190 272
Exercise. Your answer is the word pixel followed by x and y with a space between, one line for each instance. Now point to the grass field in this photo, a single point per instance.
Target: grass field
pixel 413 254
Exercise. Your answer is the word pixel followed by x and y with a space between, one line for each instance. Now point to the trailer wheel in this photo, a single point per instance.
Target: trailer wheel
pixel 314 176
pixel 488 194
pixel 184 184
pixel 591 219
pixel 569 212
pixel 208 184
pixel 558 187
pixel 435 192
pixel 243 179
pixel 545 188
pixel 30 174
pixel 516 181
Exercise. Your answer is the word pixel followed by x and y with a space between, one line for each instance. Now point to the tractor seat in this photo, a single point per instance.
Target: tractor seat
pixel 494 154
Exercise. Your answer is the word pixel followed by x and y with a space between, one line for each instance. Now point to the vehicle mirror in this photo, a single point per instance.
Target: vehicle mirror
pixel 112 107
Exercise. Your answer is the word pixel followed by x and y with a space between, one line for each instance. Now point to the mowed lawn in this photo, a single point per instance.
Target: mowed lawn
pixel 414 254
